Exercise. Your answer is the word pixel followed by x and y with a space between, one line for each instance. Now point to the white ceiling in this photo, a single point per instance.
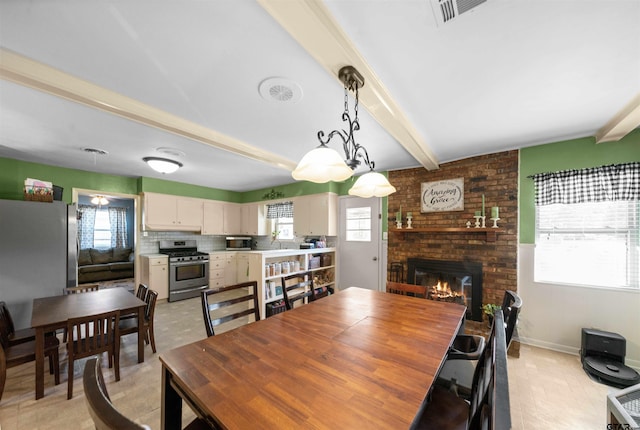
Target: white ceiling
pixel 508 74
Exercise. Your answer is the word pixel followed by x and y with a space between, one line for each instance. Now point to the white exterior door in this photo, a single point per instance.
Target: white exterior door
pixel 359 248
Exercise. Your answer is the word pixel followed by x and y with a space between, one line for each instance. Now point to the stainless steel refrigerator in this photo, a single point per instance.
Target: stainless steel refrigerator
pixel 38 253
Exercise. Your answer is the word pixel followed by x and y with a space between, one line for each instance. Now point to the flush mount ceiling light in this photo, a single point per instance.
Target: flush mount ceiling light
pixel 162 165
pixel 324 164
pixel 99 200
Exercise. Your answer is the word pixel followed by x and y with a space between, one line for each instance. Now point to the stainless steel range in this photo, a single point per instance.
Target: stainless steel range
pixel 188 268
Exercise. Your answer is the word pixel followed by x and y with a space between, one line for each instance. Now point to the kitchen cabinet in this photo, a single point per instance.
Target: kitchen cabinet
pixel 230 271
pixel 217 270
pixel 232 218
pixel 316 215
pixel 254 222
pixel 155 274
pixel 213 217
pixel 171 213
pixel 242 268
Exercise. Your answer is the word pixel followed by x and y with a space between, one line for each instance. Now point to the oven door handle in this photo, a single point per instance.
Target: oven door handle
pixel 188 263
pixel 187 290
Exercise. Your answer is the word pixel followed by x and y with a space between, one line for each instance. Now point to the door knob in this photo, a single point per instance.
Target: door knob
pixel 375 258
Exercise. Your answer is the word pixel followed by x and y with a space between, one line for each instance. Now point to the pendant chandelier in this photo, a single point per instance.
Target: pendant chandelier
pixel 99 201
pixel 324 164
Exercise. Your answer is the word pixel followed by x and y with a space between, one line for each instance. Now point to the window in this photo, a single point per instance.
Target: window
pixel 588 244
pixel 280 216
pixel 359 224
pixel 102 229
pixel 587 226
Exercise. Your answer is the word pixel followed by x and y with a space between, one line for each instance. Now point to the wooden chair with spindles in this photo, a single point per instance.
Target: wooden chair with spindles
pixel 85 288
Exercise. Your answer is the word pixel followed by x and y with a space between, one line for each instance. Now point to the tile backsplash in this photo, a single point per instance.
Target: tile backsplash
pixel 148 241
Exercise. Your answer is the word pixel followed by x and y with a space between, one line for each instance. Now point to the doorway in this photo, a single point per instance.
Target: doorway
pixel 130 203
pixel 359 243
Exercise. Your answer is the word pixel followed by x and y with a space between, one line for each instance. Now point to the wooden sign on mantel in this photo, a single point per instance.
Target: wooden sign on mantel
pixel 440 196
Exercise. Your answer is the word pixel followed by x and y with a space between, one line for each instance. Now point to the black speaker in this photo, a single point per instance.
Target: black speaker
pixel 602 356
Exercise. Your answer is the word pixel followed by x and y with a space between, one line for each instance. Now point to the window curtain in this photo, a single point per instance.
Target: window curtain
pixel 598 184
pixel 86 223
pixel 280 210
pixel 118 226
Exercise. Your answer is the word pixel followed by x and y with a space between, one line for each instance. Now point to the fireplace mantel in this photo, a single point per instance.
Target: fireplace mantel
pixel 490 233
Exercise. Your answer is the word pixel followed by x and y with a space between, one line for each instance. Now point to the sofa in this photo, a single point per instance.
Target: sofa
pixel 95 265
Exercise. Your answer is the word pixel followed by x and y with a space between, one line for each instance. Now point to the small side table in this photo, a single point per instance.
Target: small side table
pixel 623 409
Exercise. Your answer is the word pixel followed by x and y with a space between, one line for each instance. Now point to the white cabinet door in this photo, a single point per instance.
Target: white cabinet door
pixel 155 274
pixel 230 271
pixel 189 213
pixel 242 265
pixel 316 215
pixel 213 218
pixel 253 219
pixel 232 218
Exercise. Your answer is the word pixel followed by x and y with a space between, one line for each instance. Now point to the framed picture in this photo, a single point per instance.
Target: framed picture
pixel 440 196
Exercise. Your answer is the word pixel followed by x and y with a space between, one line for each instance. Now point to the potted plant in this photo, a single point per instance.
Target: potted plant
pixel 490 309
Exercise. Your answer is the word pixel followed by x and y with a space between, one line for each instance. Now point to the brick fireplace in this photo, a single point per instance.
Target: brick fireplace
pixel 495 176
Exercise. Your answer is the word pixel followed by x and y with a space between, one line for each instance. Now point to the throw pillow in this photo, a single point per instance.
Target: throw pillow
pixel 84 257
pixel 101 256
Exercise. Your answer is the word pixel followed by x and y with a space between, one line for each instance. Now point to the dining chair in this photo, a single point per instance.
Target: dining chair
pixel 130 325
pixel 511 304
pixel 228 304
pixel 297 287
pixel 84 288
pixel 12 355
pixel 90 335
pixel 141 293
pixel 78 289
pixel 407 289
pixel 14 336
pixel 103 413
pixel 489 401
pixel 396 272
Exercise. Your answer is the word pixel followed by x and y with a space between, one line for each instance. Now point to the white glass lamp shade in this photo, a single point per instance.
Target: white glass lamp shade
pixel 372 184
pixel 99 200
pixel 321 165
pixel 162 165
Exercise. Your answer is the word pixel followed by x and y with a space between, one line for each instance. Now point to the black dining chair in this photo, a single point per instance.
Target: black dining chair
pixel 297 287
pixel 104 415
pixel 511 305
pixel 229 303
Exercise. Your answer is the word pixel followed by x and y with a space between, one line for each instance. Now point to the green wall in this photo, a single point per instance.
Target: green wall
pixel 570 154
pixel 14 172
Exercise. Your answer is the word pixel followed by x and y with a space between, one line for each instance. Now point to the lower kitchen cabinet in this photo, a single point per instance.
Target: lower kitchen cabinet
pixel 155 274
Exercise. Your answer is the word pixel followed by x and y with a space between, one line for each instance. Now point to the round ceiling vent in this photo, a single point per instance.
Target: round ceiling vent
pixel 170 151
pixel 280 90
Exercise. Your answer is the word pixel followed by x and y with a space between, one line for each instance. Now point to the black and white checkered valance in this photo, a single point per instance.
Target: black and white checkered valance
pixel 596 184
pixel 280 210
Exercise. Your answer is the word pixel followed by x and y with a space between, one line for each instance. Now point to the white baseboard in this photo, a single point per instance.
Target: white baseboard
pixel 634 364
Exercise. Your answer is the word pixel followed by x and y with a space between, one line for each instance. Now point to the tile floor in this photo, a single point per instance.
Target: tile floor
pixel 548 390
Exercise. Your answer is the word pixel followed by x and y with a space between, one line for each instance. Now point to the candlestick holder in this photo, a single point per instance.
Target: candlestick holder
pixel 399 224
pixel 468 224
pixel 495 222
pixel 409 222
pixel 484 218
pixel 477 217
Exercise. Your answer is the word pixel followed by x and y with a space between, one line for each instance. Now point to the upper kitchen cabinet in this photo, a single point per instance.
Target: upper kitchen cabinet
pixel 221 218
pixel 213 218
pixel 253 219
pixel 232 218
pixel 316 215
pixel 171 213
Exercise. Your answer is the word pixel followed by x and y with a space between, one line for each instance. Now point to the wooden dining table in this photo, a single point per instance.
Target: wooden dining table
pixel 354 360
pixel 52 313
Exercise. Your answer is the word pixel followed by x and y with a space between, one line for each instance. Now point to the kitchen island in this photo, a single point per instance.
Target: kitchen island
pixel 267 268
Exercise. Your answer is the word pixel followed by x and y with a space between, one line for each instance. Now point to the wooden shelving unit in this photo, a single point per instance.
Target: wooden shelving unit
pixel 489 233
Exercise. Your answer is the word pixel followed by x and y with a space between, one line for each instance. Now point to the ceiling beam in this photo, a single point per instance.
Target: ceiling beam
pixel 30 73
pixel 312 25
pixel 624 122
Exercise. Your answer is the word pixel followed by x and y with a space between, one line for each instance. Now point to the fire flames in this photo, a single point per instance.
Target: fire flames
pixel 442 292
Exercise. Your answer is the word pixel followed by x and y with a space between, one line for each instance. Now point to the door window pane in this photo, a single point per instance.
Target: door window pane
pixel 358 225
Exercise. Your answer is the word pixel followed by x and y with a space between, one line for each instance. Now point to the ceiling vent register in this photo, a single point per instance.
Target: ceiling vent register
pixel 446 10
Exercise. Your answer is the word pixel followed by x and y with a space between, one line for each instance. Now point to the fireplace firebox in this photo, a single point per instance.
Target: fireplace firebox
pixel 450 281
